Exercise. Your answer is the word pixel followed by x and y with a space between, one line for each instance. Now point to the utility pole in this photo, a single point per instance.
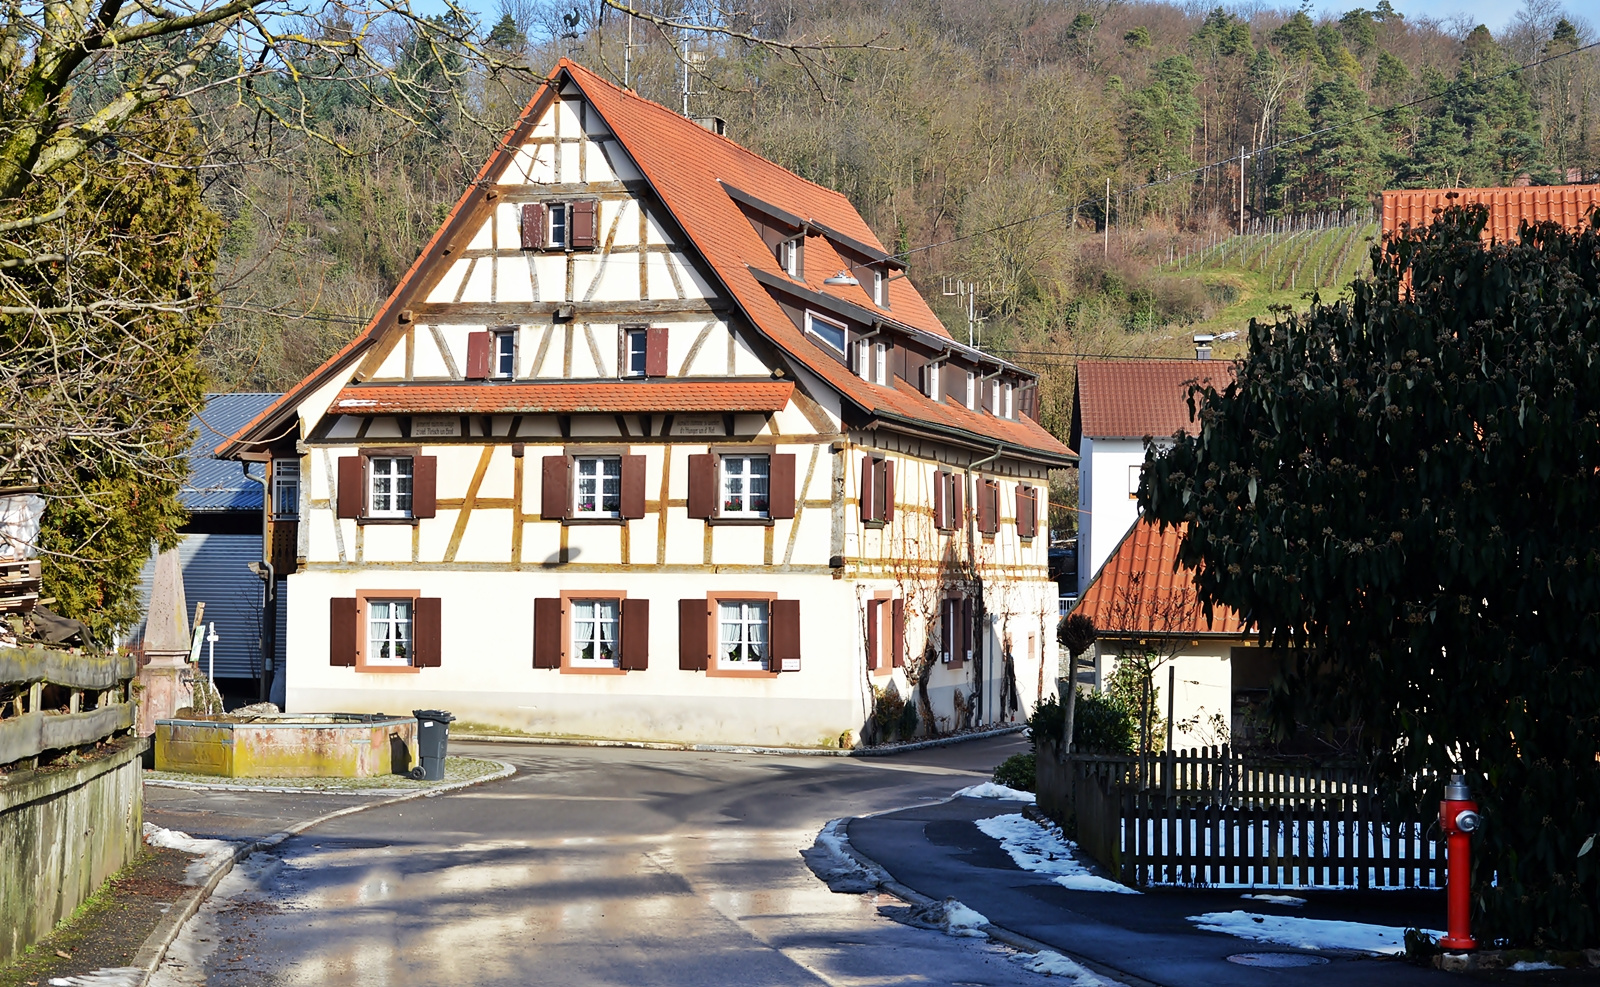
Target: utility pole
pixel 627 51
pixel 1241 190
pixel 1106 247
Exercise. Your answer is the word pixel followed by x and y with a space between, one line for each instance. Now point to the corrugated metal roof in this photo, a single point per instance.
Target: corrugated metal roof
pixel 1141 591
pixel 600 397
pixel 1130 399
pixel 219 484
pixel 1568 205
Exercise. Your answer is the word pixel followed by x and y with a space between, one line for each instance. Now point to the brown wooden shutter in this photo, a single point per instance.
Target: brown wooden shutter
pixel 555 490
pixel 985 512
pixel 547 632
pixel 869 490
pixel 897 632
pixel 958 498
pixel 655 352
pixel 965 644
pixel 533 226
pixel 947 631
pixel 702 485
pixel 352 485
pixel 785 636
pixel 632 486
pixel 888 490
pixel 427 632
pixel 424 486
pixel 780 487
pixel 477 356
pixel 941 480
pixel 343 631
pixel 635 651
pixel 992 490
pixel 873 615
pixel 585 219
pixel 694 648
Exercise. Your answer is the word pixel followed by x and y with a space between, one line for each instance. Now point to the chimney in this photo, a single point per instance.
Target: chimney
pixel 716 125
pixel 1202 345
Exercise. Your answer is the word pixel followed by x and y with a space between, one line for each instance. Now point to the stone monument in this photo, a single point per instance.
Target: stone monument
pixel 166 681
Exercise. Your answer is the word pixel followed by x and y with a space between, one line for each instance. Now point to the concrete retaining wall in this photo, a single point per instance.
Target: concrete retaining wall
pixel 63 832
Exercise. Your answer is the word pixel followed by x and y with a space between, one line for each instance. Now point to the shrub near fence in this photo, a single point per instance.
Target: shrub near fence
pixel 1215 817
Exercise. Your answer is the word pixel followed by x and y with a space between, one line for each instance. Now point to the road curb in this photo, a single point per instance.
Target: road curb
pixel 154 948
pixel 883 750
pixel 1016 940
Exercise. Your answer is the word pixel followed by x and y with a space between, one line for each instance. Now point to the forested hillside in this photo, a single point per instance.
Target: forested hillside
pixel 952 124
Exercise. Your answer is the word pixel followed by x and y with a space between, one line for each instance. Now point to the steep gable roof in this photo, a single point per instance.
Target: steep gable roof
pixel 1567 205
pixel 1132 399
pixel 1142 592
pixel 691 170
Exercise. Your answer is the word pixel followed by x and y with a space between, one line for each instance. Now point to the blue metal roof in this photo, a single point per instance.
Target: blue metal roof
pixel 219 484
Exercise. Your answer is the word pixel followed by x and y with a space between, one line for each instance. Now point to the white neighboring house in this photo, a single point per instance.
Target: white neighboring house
pixel 655 441
pixel 1116 406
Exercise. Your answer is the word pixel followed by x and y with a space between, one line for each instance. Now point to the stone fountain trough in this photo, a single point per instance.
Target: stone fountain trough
pixel 288 745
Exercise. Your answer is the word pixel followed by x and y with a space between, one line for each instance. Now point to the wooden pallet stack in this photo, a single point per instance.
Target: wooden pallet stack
pixel 19 586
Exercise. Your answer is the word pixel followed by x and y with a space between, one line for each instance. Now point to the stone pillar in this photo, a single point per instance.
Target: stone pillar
pixel 166 680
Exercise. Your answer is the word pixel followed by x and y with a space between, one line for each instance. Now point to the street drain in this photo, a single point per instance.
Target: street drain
pixel 1276 960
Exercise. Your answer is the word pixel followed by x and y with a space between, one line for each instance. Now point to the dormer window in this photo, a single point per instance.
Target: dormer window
pixel 880 289
pixel 872 360
pixel 1008 400
pixel 825 329
pixel 972 390
pixel 789 258
pixel 930 380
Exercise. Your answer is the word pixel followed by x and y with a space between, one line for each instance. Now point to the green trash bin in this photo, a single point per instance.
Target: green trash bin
pixel 433 736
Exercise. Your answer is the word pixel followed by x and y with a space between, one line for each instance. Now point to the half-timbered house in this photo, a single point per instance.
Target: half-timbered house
pixel 656 441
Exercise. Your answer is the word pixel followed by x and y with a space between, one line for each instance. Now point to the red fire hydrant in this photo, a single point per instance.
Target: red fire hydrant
pixel 1458 817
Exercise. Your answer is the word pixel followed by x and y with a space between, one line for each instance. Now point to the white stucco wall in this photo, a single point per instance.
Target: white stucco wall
pixel 1107 509
pixel 1204 686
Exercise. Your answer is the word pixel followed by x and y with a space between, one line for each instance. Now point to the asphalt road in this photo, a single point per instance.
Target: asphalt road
pixel 590 866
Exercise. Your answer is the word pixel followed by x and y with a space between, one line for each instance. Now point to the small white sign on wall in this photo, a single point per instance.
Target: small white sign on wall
pixel 697 425
pixel 791 664
pixel 435 426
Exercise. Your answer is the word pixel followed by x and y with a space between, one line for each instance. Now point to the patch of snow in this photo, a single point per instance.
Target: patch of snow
pixel 1045 851
pixel 1527 966
pixel 1307 933
pixel 829 858
pixel 1276 899
pixel 959 920
pixel 210 851
pixel 989 790
pixel 111 976
pixel 1053 964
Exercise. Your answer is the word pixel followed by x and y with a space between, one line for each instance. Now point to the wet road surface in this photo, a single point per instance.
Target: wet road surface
pixel 590 866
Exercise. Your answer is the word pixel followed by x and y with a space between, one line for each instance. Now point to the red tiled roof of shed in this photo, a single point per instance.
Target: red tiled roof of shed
pixel 1568 205
pixel 1130 399
pixel 651 397
pixel 1140 591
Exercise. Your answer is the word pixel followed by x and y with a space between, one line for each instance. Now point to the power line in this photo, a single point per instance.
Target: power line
pixel 1192 172
pixel 297 316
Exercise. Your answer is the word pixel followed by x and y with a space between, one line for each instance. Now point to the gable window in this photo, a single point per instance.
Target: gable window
pixel 286 488
pixel 745 481
pixel 560 225
pixel 635 349
pixel 505 354
pixel 556 236
pixel 389 492
pixel 388 632
pixel 594 633
pixel 827 330
pixel 599 486
pixel 742 634
pixel 789 256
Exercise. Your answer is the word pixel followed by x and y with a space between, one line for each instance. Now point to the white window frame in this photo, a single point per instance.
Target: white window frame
pixel 880 289
pixel 734 653
pixel 789 256
pixel 602 613
pixel 286 489
pixel 934 371
pixel 558 235
pixel 1008 400
pixel 880 362
pixel 829 327
pixel 629 337
pixel 972 390
pixel 390 621
pixel 606 468
pixel 503 354
pixel 394 502
pixel 1134 473
pixel 746 475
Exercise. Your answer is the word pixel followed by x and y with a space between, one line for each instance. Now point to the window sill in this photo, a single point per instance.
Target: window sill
pixel 752 522
pixel 592 670
pixel 387 520
pixel 740 673
pixel 389 669
pixel 874 524
pixel 615 522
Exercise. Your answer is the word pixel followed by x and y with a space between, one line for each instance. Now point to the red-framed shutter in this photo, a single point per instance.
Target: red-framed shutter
pixel 785 636
pixel 694 647
pixel 941 480
pixel 533 226
pixel 780 486
pixel 874 613
pixel 343 631
pixel 555 488
pixel 547 632
pixel 635 650
pixel 352 485
pixel 888 490
pixel 478 356
pixel 424 486
pixel 869 490
pixel 702 485
pixel 897 632
pixel 585 220
pixel 427 632
pixel 655 352
pixel 632 486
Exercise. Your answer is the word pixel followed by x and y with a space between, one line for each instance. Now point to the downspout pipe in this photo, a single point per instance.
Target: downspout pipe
pixel 269 589
pixel 972 556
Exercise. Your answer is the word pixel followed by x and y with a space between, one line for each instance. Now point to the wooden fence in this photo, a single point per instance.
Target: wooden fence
pixel 56 700
pixel 1216 817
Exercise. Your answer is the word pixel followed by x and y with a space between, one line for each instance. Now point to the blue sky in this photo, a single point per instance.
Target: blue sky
pixel 1496 14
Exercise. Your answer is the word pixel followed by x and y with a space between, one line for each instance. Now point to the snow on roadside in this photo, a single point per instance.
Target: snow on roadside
pixel 989 790
pixel 1053 964
pixel 1045 851
pixel 210 851
pixel 832 862
pixel 1275 899
pixel 111 976
pixel 959 920
pixel 1307 933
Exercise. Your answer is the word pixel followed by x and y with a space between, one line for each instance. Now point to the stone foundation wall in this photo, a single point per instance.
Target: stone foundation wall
pixel 63 832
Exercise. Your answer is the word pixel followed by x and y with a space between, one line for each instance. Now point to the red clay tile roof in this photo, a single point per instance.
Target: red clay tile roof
pixel 1130 399
pixel 1569 205
pixel 1139 592
pixel 601 398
